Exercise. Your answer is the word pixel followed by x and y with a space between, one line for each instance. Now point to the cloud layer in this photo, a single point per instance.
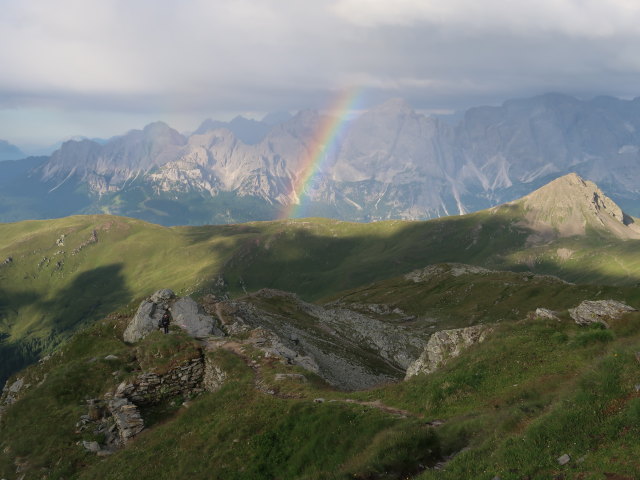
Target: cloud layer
pixel 110 60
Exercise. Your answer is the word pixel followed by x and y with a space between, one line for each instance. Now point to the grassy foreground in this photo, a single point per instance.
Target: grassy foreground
pixel 509 407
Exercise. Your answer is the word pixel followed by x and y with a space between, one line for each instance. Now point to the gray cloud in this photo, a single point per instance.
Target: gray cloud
pixel 193 58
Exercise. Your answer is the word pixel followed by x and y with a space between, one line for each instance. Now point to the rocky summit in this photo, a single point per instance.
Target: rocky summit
pixel 569 206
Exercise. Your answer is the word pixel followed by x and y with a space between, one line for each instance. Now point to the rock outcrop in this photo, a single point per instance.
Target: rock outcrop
pixel 11 393
pixel 127 418
pixel 148 315
pixel 163 296
pixel 445 345
pixel 214 376
pixel 348 349
pixel 599 311
pixel 188 315
pixel 546 314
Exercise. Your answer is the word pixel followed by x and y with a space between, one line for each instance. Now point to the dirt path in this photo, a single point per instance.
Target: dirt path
pixel 237 348
pixel 381 406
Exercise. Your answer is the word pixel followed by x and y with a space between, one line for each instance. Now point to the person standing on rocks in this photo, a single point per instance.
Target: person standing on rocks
pixel 165 321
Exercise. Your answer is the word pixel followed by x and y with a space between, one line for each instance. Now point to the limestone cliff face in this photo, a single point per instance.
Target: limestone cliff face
pixel 445 345
pixel 111 166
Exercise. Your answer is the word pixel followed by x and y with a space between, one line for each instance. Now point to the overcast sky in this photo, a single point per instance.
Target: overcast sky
pixel 102 67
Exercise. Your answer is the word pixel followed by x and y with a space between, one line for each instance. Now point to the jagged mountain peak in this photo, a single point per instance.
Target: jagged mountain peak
pixel 247 130
pixel 276 118
pixel 569 205
pixel 157 127
pixel 208 125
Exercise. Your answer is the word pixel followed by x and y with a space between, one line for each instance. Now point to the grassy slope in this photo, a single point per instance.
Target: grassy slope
pixel 534 390
pixel 41 300
pixel 453 301
pixel 237 432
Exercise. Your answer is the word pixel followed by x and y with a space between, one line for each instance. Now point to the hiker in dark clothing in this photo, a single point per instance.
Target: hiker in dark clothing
pixel 165 321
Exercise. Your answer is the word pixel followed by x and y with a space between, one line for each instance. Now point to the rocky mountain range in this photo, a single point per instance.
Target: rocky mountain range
pixel 390 162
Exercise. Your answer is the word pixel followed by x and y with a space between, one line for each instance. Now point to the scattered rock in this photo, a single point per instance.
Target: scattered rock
pixel 93 447
pixel 599 311
pixel 546 314
pixel 435 423
pixel 637 387
pixel 8 260
pixel 564 459
pixel 318 400
pixel 444 345
pixel 93 238
pixel 111 357
pixel 453 269
pixel 44 359
pixel 188 315
pixel 214 376
pixel 11 392
pixel 291 376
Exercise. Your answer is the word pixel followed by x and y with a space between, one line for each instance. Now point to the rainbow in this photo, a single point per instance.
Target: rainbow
pixel 323 141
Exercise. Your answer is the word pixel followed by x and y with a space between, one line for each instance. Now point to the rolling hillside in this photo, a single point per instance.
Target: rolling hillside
pixel 57 275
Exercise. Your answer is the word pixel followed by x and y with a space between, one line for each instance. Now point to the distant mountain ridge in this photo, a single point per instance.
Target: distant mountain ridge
pixel 391 162
pixel 10 152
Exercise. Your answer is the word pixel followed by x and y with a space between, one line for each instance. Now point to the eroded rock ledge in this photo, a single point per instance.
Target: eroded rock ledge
pixel 444 345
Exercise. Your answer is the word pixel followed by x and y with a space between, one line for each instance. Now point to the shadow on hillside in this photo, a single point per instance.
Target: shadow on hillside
pixel 12 302
pixel 91 296
pixel 317 260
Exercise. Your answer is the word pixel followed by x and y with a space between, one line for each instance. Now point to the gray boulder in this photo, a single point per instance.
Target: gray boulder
pixel 145 321
pixel 444 345
pixel 162 296
pixel 187 314
pixel 599 311
pixel 91 446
